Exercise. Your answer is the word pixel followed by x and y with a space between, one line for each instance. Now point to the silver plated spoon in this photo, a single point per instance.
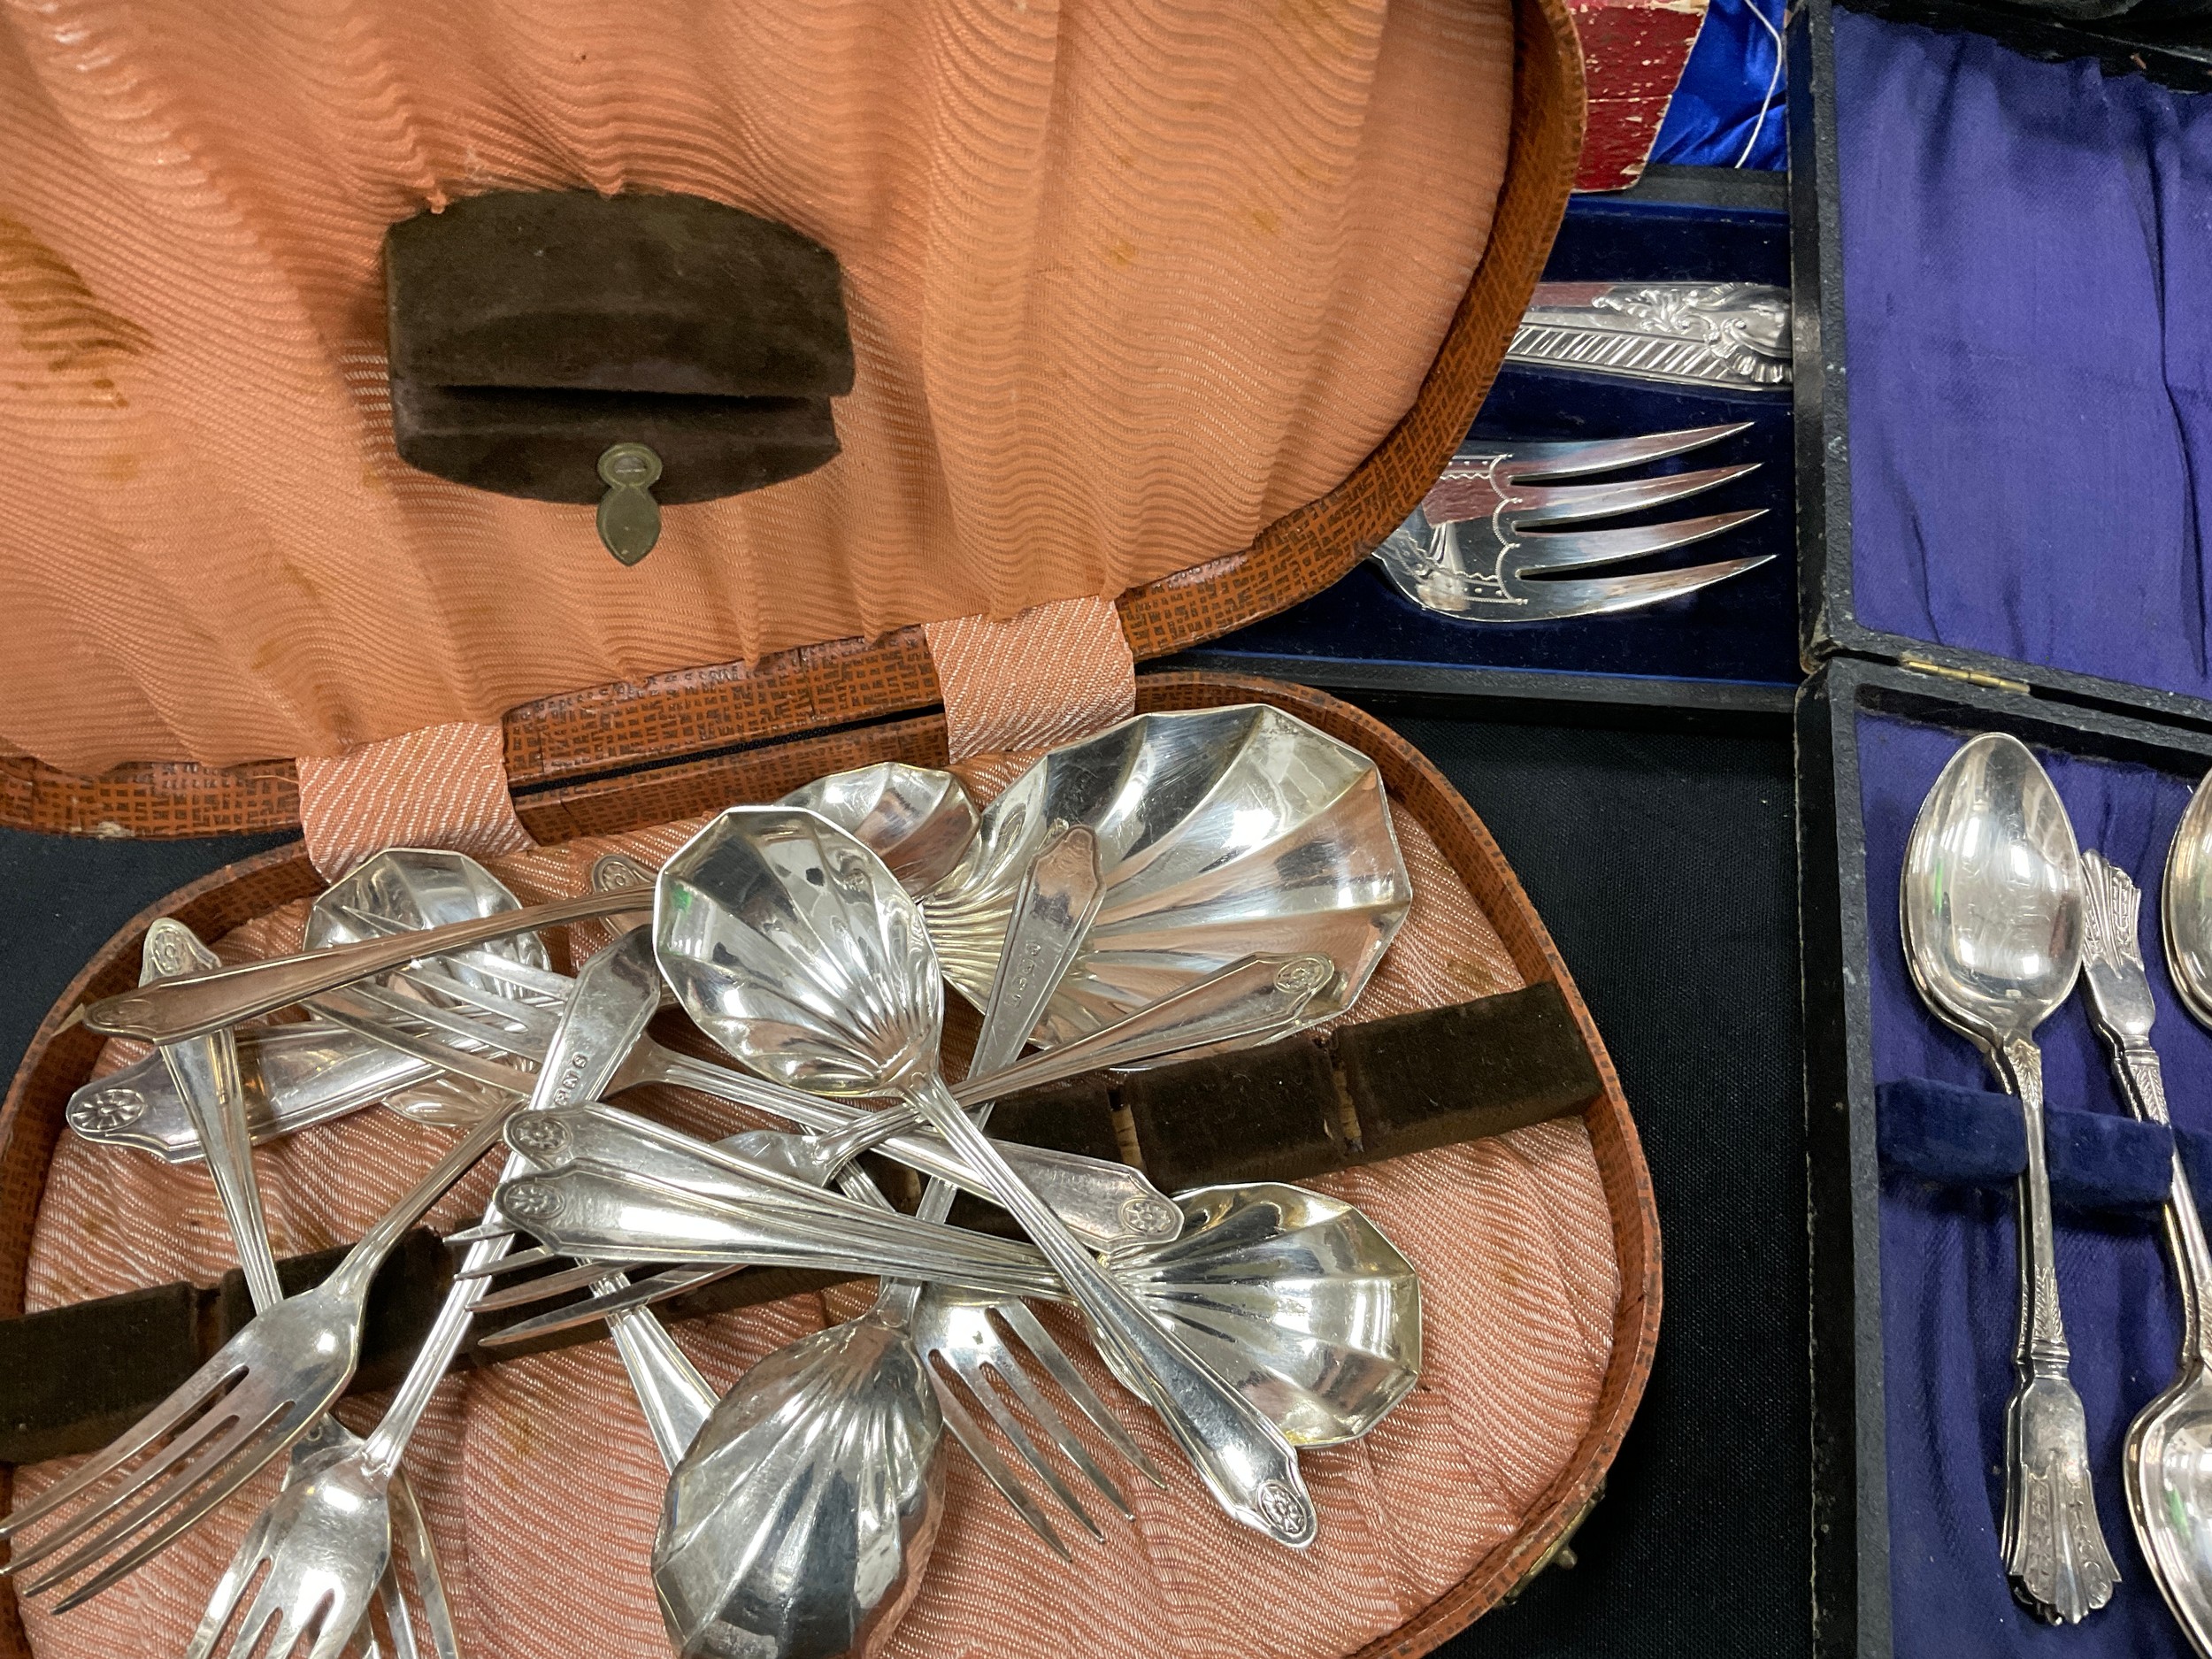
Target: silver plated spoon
pixel 800 1520
pixel 917 819
pixel 198 1004
pixel 1223 832
pixel 1991 907
pixel 791 944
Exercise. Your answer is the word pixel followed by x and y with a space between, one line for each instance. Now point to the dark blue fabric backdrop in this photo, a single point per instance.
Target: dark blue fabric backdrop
pixel 1949 1274
pixel 2027 255
pixel 1725 90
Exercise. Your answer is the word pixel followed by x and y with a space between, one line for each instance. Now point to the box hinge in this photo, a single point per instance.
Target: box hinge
pixel 1971 676
pixel 1559 1555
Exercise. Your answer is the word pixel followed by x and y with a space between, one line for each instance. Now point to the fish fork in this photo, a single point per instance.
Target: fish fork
pixel 261 1391
pixel 1470 548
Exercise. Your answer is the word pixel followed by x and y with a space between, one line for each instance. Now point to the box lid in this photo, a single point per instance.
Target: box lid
pixel 2002 427
pixel 1170 470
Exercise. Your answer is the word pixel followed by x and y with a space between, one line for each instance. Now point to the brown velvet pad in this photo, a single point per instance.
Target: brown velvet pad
pixel 530 330
pixel 71 1377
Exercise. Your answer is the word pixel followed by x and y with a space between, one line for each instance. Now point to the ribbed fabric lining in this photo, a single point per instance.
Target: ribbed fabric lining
pixel 1128 281
pixel 538 1477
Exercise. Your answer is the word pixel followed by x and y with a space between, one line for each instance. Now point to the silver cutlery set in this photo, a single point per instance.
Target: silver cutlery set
pixel 1181 884
pixel 1485 545
pixel 1475 548
pixel 2002 916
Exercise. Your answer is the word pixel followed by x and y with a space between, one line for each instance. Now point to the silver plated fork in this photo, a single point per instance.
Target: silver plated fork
pixel 206 1074
pixel 980 1340
pixel 1472 549
pixel 259 1393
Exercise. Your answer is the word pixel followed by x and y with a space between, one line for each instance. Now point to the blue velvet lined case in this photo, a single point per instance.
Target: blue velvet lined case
pixel 1738 634
pixel 2008 438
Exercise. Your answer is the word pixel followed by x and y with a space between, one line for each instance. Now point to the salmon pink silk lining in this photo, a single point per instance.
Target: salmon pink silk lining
pixel 1048 676
pixel 543 1490
pixel 445 786
pixel 1128 281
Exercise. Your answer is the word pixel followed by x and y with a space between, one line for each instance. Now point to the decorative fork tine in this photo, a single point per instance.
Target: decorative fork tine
pixel 1469 550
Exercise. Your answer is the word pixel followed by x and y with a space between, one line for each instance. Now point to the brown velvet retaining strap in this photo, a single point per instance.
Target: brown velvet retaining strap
pixel 71 1378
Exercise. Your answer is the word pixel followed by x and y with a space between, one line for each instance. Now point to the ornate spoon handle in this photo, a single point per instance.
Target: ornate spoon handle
pixel 193 1004
pixel 2053 1549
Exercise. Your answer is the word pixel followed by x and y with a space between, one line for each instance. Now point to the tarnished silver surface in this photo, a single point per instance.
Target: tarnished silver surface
pixel 917 819
pixel 793 947
pixel 2166 1463
pixel 1733 335
pixel 294 1076
pixel 1472 549
pixel 1991 907
pixel 616 993
pixel 300 1584
pixel 1253 1001
pixel 1223 832
pixel 302 1073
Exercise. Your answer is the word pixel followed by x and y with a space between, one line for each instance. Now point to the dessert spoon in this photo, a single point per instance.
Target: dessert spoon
pixel 1991 908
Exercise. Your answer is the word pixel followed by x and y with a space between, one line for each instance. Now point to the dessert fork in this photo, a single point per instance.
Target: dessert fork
pixel 262 1390
pixel 205 1072
pixel 1470 550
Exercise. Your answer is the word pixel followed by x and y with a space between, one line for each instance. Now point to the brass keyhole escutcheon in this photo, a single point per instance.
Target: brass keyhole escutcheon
pixel 629 517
